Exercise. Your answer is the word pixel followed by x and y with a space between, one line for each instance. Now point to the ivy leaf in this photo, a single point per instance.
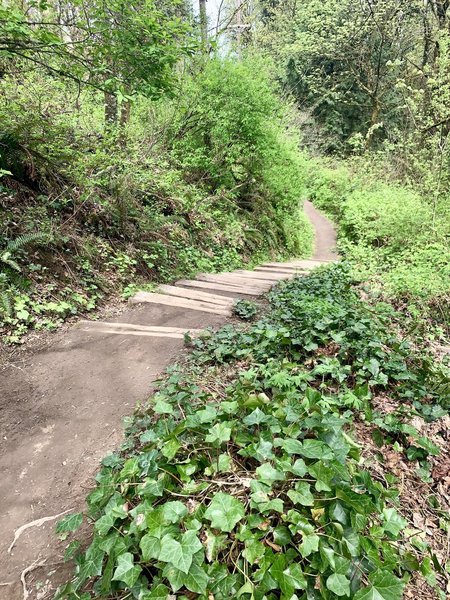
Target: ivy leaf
pixel 338 584
pixel 254 551
pixel 150 546
pixel 179 554
pixel 309 544
pixel 392 522
pixel 170 448
pixel 256 417
pixel 290 445
pixel 383 586
pixel 91 565
pixel 158 592
pixel 126 570
pixel 269 474
pixel 302 494
pixel 294 576
pixel 195 581
pixel 69 523
pixel 219 433
pixel 213 545
pixel 163 408
pixel 299 468
pixel 224 512
pixel 316 449
pixel 173 512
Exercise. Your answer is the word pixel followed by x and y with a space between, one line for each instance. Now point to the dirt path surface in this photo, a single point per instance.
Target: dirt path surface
pixel 61 408
pixel 325 247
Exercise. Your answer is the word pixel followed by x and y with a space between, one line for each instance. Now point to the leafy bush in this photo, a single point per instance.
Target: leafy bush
pixel 393 237
pixel 205 181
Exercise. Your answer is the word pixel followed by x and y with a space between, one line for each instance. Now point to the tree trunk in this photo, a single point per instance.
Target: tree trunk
pixel 239 27
pixel 125 109
pixel 203 24
pixel 110 110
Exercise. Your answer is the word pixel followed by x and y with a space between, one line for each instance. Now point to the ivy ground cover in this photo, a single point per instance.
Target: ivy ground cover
pixel 243 477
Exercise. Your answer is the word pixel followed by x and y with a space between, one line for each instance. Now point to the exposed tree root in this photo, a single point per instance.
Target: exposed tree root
pixel 36 523
pixel 24 574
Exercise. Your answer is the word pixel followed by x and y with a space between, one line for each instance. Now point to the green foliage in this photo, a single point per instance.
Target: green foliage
pixel 258 491
pixel 122 48
pixel 391 234
pixel 245 309
pixel 154 202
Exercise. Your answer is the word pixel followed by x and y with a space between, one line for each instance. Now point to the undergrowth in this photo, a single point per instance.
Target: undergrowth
pixel 208 180
pixel 243 477
pixel 396 238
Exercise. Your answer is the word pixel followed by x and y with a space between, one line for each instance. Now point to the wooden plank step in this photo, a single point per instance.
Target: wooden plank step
pixel 238 280
pixel 288 270
pixel 143 297
pixel 243 290
pixel 133 329
pixel 265 276
pixel 180 292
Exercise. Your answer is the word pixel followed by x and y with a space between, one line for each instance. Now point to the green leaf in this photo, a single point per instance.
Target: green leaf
pixel 302 494
pixel 338 584
pixel 255 418
pixel 383 586
pixel 299 468
pixel 150 547
pixel 163 408
pixel 69 523
pixel 268 474
pixel 309 544
pixel 173 512
pixel 392 522
pixel 289 445
pixel 126 570
pixel 294 577
pixel 158 592
pixel 254 551
pixel 316 449
pixel 196 580
pixel 170 448
pixel 179 554
pixel 219 434
pixel 213 545
pixel 224 512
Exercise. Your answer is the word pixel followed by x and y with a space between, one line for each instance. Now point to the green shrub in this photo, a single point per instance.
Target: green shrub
pixel 392 235
pixel 205 181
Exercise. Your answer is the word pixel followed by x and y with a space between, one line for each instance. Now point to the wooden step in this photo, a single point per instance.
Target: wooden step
pixel 180 292
pixel 265 275
pixel 143 330
pixel 287 270
pixel 153 298
pixel 241 289
pixel 237 280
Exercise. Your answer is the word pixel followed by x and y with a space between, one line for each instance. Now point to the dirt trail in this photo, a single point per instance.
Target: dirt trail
pixel 325 246
pixel 61 411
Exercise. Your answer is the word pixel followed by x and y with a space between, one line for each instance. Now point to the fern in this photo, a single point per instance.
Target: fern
pixel 5 303
pixel 26 239
pixel 7 259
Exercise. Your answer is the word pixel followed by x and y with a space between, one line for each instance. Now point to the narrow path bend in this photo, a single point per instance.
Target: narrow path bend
pixel 325 243
pixel 61 408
